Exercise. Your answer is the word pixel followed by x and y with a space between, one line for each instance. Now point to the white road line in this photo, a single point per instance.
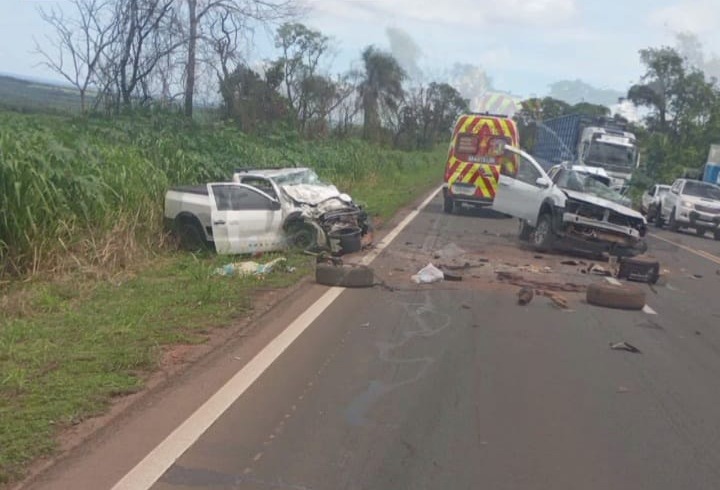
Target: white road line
pixel 152 467
pixel 699 253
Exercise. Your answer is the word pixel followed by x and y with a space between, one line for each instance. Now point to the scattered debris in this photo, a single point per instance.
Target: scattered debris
pixel 518 280
pixel 248 268
pixel 475 325
pixel 408 243
pixel 464 306
pixel 570 262
pixel 558 301
pixel 449 252
pixel 466 265
pixel 698 332
pixel 525 295
pixel 717 272
pixel 697 276
pixel 622 389
pixel 538 257
pixel 483 260
pixel 428 274
pixel 398 269
pixel 598 270
pixel 347 276
pixel 365 325
pixel 451 276
pixel 625 346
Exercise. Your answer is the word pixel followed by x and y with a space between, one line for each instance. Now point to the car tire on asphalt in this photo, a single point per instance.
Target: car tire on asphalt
pixel 622 296
pixel 542 237
pixel 672 224
pixel 525 231
pixel 448 204
pixel 345 276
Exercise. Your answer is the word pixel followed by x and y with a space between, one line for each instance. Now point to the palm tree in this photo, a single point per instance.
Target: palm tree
pixel 381 88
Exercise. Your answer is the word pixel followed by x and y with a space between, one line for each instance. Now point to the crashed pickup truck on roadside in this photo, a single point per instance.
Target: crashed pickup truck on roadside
pixel 569 209
pixel 263 210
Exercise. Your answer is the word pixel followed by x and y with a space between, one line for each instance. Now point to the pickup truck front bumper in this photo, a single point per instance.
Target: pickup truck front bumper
pixel 697 219
pixel 593 236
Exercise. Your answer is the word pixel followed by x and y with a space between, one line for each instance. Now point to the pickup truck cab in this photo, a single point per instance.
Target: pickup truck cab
pixel 691 204
pixel 569 209
pixel 651 199
pixel 263 210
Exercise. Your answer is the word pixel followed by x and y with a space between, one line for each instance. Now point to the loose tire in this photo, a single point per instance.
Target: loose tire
pixel 344 276
pixel 542 237
pixel 448 205
pixel 672 224
pixel 623 296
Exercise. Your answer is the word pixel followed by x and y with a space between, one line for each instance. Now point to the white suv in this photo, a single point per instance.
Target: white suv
pixel 691 204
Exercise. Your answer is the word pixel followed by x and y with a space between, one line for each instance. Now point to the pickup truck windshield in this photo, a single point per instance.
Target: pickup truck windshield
pixel 699 189
pixel 609 155
pixel 590 184
pixel 301 177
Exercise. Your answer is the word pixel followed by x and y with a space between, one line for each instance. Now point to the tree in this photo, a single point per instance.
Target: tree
pixel 660 85
pixel 200 12
pixel 380 90
pixel 253 101
pixel 81 42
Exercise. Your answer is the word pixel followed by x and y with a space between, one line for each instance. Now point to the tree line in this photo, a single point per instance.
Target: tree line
pixel 124 54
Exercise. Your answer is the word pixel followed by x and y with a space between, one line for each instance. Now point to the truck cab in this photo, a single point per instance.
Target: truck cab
pixel 612 149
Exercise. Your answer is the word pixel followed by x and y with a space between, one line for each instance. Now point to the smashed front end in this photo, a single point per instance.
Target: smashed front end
pixel 594 228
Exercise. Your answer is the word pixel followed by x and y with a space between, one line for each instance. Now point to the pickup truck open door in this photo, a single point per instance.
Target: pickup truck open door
pixel 244 219
pixel 522 194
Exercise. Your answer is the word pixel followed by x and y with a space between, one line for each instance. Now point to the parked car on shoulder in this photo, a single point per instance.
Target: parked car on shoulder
pixel 651 199
pixel 691 204
pixel 263 210
pixel 572 209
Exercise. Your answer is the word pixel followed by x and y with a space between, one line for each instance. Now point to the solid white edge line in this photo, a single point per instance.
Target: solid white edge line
pixel 156 463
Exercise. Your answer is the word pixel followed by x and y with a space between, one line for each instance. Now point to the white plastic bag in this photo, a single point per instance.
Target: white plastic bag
pixel 428 274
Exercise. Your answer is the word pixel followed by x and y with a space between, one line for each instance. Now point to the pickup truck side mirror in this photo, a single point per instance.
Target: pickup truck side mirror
pixel 543 182
pixel 274 205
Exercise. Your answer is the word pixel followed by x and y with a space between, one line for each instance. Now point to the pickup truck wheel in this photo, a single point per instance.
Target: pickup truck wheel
pixel 659 218
pixel 672 224
pixel 525 231
pixel 700 232
pixel 542 237
pixel 302 236
pixel 448 204
pixel 191 237
pixel 716 234
pixel 623 296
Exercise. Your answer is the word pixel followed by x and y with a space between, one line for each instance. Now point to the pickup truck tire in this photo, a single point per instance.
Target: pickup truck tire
pixel 622 297
pixel 448 205
pixel 524 231
pixel 672 224
pixel 191 236
pixel 716 234
pixel 542 237
pixel 700 232
pixel 659 218
pixel 301 236
pixel 345 276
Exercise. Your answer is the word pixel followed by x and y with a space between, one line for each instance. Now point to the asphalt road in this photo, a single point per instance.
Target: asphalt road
pixel 456 386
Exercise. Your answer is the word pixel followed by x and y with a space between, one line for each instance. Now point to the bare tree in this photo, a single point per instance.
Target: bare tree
pixel 239 12
pixel 81 41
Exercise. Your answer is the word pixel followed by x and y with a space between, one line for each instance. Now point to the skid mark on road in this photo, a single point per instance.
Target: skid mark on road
pixel 427 322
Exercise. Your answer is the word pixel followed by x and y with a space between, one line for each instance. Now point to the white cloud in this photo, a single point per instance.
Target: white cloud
pixel 698 16
pixel 454 12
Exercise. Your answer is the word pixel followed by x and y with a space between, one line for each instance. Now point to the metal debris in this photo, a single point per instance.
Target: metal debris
pixel 525 295
pixel 625 346
pixel 570 262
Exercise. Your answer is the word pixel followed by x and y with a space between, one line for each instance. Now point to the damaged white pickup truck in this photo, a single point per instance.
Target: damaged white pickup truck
pixel 264 210
pixel 570 209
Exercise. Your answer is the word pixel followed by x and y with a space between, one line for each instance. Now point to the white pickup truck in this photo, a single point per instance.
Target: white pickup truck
pixel 263 210
pixel 572 208
pixel 691 204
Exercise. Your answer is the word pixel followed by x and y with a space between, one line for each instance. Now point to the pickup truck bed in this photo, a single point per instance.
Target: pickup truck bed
pixel 192 189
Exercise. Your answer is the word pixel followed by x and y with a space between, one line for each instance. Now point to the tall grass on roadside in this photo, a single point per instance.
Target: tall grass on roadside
pixel 84 192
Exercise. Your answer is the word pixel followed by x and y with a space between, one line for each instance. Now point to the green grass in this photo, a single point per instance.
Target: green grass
pixel 103 295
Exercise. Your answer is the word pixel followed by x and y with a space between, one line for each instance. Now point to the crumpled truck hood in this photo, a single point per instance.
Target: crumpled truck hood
pixel 315 194
pixel 605 203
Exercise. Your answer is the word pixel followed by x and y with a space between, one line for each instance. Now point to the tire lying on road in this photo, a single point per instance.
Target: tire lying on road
pixel 344 276
pixel 619 296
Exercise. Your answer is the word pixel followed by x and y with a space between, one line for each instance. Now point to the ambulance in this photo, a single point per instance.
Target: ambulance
pixel 476 158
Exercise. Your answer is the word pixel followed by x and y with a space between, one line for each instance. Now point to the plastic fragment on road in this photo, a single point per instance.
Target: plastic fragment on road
pixel 428 274
pixel 248 268
pixel 450 251
pixel 624 346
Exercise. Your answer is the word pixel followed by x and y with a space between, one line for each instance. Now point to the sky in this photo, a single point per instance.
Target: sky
pixel 522 45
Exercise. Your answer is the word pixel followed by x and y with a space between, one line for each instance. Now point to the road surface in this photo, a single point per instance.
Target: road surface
pixel 453 385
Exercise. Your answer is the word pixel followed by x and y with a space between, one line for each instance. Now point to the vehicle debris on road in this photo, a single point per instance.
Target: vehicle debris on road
pixel 525 295
pixel 428 274
pixel 625 346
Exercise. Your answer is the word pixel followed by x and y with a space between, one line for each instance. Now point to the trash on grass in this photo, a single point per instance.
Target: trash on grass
pixel 428 274
pixel 624 346
pixel 525 295
pixel 248 268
